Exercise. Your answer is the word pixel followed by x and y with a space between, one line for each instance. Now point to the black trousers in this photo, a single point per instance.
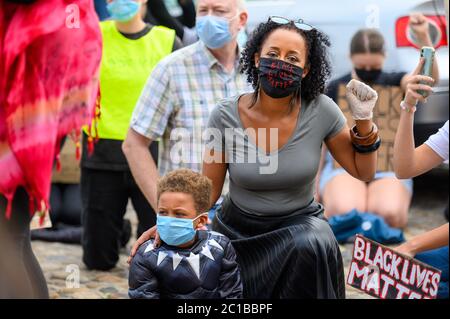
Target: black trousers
pixel 65 203
pixel 157 13
pixel 105 195
pixel 20 273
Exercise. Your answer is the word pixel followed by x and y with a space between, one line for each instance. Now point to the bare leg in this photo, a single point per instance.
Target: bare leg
pixel 390 199
pixel 344 193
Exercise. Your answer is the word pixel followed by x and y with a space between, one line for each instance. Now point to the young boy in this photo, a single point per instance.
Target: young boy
pixel 190 263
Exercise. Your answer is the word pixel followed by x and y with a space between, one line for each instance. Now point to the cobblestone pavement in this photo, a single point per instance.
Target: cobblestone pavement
pixel 59 261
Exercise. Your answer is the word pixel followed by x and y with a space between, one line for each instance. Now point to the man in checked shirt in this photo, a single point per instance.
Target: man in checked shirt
pixel 182 91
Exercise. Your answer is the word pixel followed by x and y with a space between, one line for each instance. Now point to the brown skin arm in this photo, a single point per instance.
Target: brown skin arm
pixel 216 172
pixel 360 166
pixel 433 239
pixel 319 173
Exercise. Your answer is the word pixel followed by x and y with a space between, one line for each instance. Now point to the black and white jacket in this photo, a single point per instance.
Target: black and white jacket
pixel 207 270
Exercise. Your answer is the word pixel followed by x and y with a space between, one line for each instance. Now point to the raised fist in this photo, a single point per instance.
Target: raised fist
pixel 362 99
pixel 419 24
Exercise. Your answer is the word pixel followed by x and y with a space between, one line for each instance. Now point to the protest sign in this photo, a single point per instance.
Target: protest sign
pixel 70 165
pixel 384 273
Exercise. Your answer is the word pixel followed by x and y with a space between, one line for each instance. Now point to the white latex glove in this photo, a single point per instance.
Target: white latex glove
pixel 362 99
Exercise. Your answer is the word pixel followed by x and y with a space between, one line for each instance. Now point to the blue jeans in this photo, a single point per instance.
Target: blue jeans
pixel 438 258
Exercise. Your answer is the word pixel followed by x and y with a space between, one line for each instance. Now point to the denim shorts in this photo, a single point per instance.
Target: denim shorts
pixel 329 172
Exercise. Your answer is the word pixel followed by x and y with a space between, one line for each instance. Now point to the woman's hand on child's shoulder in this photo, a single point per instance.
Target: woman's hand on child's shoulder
pixel 147 235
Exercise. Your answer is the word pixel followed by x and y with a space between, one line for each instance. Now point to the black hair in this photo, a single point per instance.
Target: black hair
pixel 317 60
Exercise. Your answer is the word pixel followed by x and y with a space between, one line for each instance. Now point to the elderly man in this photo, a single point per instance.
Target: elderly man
pixel 182 91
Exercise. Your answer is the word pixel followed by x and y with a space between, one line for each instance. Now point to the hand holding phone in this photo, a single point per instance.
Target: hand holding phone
pixel 418 83
pixel 427 53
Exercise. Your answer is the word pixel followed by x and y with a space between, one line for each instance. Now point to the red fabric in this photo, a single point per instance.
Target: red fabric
pixel 50 55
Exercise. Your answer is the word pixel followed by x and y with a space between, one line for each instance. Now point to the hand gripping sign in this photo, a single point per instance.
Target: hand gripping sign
pixel 384 273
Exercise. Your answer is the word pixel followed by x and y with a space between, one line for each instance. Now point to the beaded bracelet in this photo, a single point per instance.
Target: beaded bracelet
pixel 405 106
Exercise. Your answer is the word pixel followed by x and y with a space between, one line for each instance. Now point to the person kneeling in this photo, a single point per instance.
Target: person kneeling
pixel 190 263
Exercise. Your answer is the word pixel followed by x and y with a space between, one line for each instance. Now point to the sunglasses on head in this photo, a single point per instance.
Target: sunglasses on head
pixel 299 24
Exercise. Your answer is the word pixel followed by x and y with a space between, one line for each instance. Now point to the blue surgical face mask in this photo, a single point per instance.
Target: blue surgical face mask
pixel 123 10
pixel 214 31
pixel 175 231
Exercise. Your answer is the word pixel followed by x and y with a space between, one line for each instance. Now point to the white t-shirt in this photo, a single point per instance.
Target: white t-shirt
pixel 439 142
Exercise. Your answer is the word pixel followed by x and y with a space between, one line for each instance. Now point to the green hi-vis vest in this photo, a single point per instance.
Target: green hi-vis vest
pixel 125 67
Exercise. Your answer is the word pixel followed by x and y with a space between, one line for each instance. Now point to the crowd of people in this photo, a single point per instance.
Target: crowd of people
pixel 226 151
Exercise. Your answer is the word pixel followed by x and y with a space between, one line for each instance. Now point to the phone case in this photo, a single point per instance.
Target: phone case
pixel 427 70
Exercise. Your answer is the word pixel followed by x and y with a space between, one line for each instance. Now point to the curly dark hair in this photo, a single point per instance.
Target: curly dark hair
pixel 188 182
pixel 317 60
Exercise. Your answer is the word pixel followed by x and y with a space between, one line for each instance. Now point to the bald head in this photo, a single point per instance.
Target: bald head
pixel 241 5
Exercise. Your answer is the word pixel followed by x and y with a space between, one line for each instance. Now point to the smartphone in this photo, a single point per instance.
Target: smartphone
pixel 427 70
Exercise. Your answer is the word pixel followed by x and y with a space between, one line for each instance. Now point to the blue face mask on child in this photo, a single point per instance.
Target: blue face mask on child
pixel 123 10
pixel 214 31
pixel 175 231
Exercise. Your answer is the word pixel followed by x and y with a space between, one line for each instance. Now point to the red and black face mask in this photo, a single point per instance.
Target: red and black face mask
pixel 279 79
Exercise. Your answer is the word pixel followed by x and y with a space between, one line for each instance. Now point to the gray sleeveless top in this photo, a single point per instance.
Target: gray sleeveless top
pixel 283 181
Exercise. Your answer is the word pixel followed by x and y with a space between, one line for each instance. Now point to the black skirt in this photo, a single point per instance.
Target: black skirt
pixel 291 256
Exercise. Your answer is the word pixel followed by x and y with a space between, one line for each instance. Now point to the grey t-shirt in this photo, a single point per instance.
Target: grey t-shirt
pixel 281 182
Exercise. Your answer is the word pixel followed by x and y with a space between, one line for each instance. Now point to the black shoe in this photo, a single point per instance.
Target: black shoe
pixel 59 233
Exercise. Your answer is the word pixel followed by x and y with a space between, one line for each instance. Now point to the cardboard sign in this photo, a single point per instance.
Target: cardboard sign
pixel 35 221
pixel 386 115
pixel 384 273
pixel 70 166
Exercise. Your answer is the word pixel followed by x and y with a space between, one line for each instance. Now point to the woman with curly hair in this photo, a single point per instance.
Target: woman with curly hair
pixel 284 245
